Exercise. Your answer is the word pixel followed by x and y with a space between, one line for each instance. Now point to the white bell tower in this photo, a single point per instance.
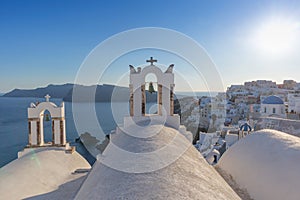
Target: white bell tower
pixel 36 127
pixel 165 96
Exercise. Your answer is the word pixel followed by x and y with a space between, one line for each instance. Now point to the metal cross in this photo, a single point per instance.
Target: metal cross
pixel 151 60
pixel 47 97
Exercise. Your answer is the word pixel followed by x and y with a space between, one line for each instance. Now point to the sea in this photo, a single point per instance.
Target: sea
pixel 14 123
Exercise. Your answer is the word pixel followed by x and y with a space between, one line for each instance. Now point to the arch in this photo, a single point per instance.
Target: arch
pixel 151 69
pixel 41 107
pixel 151 77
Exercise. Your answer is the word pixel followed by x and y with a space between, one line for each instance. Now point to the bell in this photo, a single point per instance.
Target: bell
pixel 151 88
pixel 47 119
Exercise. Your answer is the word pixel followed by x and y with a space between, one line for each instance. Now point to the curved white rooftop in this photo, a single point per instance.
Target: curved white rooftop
pixel 44 173
pixel 266 163
pixel 189 177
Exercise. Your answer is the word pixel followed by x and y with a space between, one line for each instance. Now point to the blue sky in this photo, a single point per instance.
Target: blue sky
pixel 43 42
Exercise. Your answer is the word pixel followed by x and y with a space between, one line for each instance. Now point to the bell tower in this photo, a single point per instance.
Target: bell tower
pixel 165 94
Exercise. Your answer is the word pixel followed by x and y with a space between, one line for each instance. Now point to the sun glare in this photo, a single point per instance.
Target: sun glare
pixel 276 36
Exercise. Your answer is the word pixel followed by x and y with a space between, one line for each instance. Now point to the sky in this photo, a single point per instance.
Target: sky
pixel 46 42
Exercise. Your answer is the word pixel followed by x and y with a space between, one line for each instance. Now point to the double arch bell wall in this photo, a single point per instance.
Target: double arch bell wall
pixel 36 128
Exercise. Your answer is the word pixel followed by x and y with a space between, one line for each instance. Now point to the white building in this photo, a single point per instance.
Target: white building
pixel 273 106
pixel 260 84
pixel 294 103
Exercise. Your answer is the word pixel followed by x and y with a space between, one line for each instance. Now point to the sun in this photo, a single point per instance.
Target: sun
pixel 276 36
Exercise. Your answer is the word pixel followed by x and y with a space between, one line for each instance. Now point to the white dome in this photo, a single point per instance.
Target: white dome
pixel 266 163
pixel 40 173
pixel 189 177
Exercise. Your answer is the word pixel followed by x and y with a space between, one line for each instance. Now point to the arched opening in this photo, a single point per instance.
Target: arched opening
pixel 151 92
pixel 47 125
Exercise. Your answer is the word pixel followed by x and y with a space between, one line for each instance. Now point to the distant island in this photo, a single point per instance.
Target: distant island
pixel 56 91
pixel 103 93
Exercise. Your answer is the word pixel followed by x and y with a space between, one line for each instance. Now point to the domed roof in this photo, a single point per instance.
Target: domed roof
pixel 50 168
pixel 253 156
pixel 273 100
pixel 245 127
pixel 168 182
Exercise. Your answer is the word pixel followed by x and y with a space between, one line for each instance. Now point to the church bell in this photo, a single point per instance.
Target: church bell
pixel 47 119
pixel 151 88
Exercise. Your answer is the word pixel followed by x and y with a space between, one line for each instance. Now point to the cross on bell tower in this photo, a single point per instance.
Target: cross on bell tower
pixel 151 60
pixel 47 97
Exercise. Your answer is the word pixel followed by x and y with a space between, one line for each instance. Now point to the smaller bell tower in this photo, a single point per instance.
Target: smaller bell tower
pixel 36 126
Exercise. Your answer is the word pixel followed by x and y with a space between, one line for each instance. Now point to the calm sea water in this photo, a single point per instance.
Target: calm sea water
pixel 14 125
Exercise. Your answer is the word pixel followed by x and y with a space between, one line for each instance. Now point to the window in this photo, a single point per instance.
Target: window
pixel 265 110
pixel 274 110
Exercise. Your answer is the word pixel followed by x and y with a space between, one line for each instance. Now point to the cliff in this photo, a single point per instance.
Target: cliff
pixel 98 93
pixel 56 91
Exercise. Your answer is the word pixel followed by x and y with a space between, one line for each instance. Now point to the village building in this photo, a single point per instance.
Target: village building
pixel 273 106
